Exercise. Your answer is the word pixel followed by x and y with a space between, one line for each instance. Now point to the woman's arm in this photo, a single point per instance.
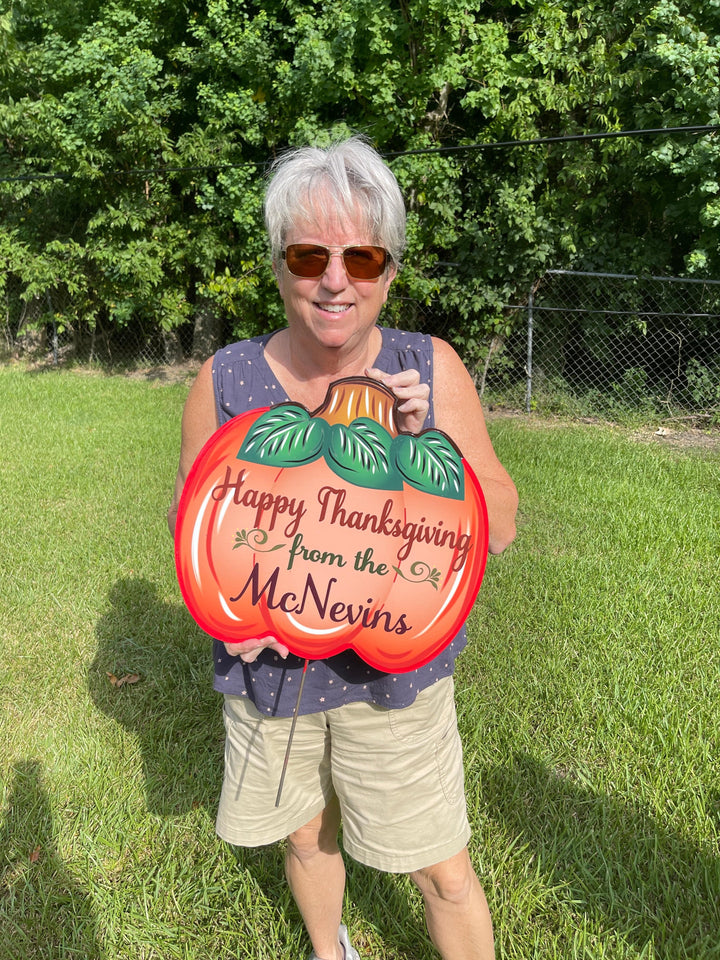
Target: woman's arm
pixel 199 422
pixel 458 412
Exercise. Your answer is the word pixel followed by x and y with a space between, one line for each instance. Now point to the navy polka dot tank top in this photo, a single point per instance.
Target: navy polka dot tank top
pixel 244 381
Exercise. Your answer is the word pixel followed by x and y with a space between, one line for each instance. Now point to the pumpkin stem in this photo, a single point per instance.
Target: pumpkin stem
pixel 354 397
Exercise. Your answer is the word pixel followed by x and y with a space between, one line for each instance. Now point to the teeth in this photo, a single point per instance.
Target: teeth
pixel 334 307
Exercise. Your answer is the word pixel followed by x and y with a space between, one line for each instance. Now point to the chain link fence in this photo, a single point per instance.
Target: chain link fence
pixel 600 344
pixel 583 344
pixel 35 328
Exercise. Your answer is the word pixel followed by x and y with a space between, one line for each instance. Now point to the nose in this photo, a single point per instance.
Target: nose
pixel 335 275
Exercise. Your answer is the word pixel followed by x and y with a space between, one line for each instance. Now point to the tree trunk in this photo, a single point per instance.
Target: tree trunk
pixel 31 338
pixel 32 342
pixel 172 348
pixel 207 334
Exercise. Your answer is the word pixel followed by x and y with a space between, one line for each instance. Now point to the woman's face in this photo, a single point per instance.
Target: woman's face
pixel 333 310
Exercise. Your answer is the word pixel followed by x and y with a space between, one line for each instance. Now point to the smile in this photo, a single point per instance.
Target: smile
pixel 334 307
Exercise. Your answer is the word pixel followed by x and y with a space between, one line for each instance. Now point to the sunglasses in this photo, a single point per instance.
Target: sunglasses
pixel 312 260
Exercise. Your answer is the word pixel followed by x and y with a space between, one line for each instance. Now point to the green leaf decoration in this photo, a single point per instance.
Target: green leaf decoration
pixel 284 436
pixel 256 540
pixel 420 572
pixel 361 454
pixel 431 463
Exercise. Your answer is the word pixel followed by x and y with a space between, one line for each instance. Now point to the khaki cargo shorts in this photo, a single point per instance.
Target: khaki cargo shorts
pixel 398 776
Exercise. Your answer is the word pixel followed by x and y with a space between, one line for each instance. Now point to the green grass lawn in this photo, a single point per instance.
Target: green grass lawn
pixel 589 703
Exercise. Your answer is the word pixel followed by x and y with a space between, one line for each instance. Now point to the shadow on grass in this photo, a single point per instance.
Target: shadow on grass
pixel 44 914
pixel 172 709
pixel 612 859
pixel 177 718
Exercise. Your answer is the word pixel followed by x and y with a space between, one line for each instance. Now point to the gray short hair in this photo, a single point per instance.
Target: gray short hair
pixel 314 183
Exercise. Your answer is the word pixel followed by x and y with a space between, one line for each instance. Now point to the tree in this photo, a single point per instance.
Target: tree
pixel 154 124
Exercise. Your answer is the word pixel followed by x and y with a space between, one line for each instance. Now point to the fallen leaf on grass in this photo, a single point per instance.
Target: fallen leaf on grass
pixel 35 855
pixel 121 681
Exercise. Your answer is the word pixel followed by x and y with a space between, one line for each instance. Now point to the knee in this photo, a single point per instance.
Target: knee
pixel 304 843
pixel 317 836
pixel 452 881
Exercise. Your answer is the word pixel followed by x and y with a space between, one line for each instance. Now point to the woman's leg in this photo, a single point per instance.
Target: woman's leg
pixel 316 873
pixel 456 911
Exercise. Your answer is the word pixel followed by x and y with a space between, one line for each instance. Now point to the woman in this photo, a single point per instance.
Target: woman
pixel 377 751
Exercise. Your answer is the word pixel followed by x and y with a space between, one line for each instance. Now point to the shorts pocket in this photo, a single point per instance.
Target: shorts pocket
pixel 428 718
pixel 431 721
pixel 449 758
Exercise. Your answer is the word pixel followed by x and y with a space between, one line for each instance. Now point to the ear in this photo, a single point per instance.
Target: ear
pixel 277 269
pixel 390 275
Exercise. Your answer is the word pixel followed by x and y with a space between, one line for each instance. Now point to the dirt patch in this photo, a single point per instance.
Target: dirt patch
pixel 680 438
pixel 691 433
pixel 160 373
pixel 175 373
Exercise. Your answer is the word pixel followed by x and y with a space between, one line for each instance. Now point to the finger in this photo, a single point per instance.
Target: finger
pixel 418 392
pixel 249 650
pixel 415 405
pixel 239 649
pixel 251 655
pixel 279 648
pixel 235 648
pixel 413 397
pixel 404 378
pixel 413 422
pixel 405 385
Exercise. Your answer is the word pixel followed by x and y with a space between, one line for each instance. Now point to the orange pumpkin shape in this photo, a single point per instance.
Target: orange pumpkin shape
pixel 332 530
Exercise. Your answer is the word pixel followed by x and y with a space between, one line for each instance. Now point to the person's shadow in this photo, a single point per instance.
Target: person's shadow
pixel 612 859
pixel 152 674
pixel 177 718
pixel 44 913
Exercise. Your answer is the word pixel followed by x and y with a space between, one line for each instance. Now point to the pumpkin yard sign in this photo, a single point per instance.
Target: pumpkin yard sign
pixel 331 530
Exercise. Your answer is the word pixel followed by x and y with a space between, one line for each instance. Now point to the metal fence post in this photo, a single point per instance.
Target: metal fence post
pixel 55 331
pixel 528 364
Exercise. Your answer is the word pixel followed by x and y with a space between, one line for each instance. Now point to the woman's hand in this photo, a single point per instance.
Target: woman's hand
pixel 413 397
pixel 249 650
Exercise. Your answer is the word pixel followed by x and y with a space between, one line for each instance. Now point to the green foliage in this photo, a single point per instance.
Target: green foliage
pixel 152 125
pixel 704 383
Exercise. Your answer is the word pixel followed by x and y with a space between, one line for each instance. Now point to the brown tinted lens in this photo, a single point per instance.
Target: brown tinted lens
pixel 306 259
pixel 365 263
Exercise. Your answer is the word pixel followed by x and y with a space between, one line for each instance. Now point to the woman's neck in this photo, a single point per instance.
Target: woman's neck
pixel 306 372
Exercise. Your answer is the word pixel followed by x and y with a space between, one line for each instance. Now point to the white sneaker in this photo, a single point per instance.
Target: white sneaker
pixel 350 951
